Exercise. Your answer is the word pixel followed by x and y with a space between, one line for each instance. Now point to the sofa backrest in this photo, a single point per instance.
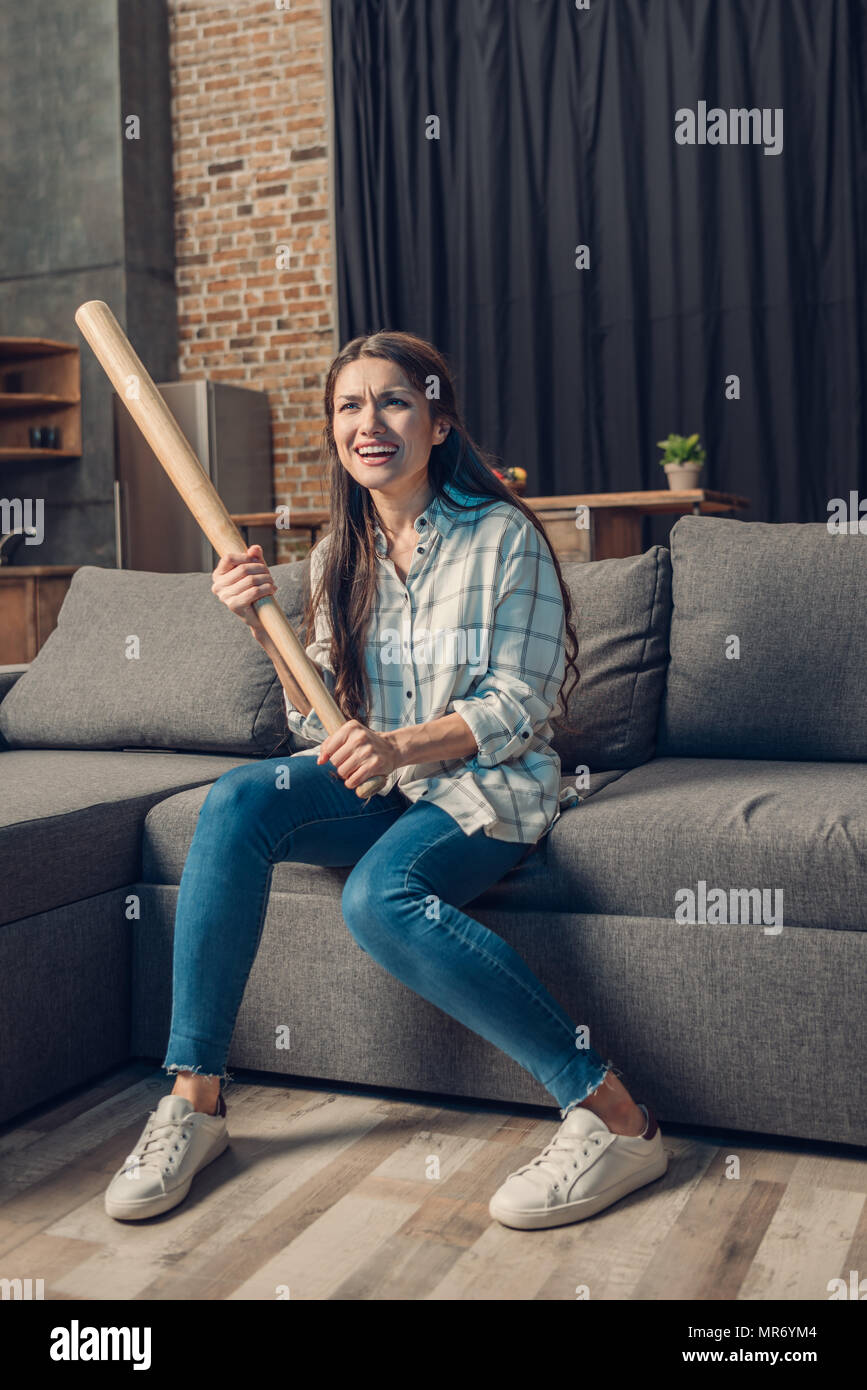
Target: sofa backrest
pixel 142 660
pixel 768 642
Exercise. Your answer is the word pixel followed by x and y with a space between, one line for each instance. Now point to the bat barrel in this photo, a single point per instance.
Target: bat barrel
pixel 135 388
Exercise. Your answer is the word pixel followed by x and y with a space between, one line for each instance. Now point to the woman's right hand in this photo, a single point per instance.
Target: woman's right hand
pixel 241 579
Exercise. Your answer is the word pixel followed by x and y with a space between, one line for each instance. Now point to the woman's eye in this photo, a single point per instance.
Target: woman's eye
pixel 399 400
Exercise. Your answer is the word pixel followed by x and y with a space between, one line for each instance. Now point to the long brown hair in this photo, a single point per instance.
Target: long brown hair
pixel 348 583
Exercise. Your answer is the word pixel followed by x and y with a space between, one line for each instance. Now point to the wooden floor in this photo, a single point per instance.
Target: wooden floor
pixel 334 1194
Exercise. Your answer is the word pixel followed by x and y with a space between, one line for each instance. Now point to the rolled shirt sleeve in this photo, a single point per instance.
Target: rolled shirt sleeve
pixel 526 663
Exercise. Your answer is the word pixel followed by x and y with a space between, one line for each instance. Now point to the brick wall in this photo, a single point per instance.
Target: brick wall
pixel 250 136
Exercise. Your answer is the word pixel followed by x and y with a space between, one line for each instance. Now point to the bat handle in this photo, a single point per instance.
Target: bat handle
pixel 370 788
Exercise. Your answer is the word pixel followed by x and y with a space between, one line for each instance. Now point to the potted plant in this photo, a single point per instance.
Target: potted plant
pixel 682 460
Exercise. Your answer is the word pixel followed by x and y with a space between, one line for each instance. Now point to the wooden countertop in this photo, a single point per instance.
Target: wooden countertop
pixel 657 500
pixel 38 571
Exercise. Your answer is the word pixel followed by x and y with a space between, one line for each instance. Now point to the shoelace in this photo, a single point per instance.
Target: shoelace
pixel 551 1160
pixel 157 1140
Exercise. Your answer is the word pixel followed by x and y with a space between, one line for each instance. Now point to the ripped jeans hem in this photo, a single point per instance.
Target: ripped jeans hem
pixel 224 1076
pixel 592 1087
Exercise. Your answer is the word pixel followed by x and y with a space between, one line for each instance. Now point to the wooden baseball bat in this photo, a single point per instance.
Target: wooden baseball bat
pixel 123 366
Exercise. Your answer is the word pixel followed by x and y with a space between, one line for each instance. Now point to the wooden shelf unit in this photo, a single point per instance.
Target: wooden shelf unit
pixel 50 394
pixel 30 600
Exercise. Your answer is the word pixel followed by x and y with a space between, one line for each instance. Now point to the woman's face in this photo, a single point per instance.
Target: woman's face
pixel 382 426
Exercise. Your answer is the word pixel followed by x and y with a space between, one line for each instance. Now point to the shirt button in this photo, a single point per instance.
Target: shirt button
pixel 525 734
pixel 421 550
pixel 409 694
pixel 422 521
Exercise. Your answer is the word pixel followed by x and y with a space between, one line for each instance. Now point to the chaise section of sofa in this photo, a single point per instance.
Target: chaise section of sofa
pixel 71 821
pixel 70 845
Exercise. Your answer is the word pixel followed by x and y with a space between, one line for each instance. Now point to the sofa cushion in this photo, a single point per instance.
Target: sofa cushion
pixel 71 822
pixel 621 610
pixel 640 836
pixel 170 826
pixel 791 601
pixel 199 682
pixel 734 824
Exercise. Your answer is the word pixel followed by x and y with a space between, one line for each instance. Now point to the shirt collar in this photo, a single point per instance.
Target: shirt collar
pixel 436 517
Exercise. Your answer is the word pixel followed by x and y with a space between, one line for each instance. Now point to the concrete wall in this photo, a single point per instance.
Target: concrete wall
pixel 87 213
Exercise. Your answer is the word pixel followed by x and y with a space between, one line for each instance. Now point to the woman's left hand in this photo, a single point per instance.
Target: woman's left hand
pixel 358 753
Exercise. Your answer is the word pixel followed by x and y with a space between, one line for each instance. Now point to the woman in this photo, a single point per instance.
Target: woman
pixel 441 625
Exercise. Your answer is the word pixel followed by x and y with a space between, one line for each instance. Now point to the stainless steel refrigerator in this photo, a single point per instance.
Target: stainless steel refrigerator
pixel 229 428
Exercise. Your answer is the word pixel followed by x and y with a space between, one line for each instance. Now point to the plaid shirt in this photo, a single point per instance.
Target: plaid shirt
pixel 477 629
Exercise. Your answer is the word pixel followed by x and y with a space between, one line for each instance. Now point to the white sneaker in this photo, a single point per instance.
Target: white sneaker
pixel 175 1144
pixel 584 1169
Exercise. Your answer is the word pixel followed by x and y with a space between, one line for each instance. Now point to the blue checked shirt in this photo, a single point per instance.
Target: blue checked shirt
pixel 477 629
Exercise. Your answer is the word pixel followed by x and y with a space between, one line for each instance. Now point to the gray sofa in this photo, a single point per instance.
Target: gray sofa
pixel 720 736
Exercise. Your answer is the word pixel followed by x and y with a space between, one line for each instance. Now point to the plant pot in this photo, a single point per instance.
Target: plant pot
pixel 682 476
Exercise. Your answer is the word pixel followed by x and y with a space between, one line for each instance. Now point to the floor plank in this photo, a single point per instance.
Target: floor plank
pixel 357 1194
pixel 710 1247
pixel 821 1221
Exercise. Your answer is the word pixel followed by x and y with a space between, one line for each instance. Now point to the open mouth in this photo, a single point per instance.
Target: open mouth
pixel 376 453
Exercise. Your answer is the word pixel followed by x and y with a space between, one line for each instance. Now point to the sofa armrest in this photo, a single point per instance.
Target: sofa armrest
pixel 9 675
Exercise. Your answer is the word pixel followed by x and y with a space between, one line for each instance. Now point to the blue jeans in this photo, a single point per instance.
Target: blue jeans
pixel 414 869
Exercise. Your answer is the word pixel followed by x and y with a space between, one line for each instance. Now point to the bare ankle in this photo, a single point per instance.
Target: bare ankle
pixel 615 1107
pixel 630 1123
pixel 202 1092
